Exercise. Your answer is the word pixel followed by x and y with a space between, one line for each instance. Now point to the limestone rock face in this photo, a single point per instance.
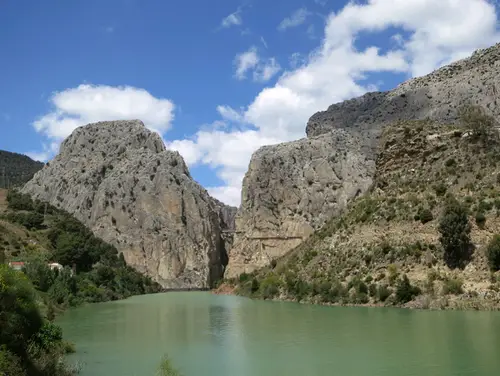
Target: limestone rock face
pixel 437 96
pixel 118 179
pixel 293 188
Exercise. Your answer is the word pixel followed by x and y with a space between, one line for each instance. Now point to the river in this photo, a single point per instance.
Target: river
pixel 216 335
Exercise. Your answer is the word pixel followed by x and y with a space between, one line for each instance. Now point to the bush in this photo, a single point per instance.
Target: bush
pixel 482 125
pixel 440 189
pixel 167 369
pixel 493 253
pixel 455 228
pixel 453 286
pixel 405 292
pixel 269 287
pixel 480 219
pixel 424 215
pixel 383 292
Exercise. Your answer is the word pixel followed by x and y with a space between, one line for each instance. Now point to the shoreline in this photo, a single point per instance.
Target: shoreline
pixel 423 302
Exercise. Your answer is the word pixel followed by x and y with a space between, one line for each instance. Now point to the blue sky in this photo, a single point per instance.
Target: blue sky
pixel 217 79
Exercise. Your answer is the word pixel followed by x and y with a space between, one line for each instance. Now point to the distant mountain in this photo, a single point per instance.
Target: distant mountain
pixel 16 169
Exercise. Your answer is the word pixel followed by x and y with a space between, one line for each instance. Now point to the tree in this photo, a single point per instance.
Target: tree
pixel 20 318
pixel 405 291
pixel 455 228
pixel 483 126
pixel 493 253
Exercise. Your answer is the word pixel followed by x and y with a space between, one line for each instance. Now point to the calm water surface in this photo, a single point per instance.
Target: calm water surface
pixel 212 335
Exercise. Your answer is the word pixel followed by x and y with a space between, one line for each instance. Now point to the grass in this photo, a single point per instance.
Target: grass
pixel 167 369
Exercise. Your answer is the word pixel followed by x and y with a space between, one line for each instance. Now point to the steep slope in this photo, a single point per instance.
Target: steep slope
pixel 360 121
pixel 363 256
pixel 118 179
pixel 16 169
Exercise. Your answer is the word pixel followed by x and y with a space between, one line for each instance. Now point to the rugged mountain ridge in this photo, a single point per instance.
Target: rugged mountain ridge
pixel 437 97
pixel 16 169
pixel 386 248
pixel 118 178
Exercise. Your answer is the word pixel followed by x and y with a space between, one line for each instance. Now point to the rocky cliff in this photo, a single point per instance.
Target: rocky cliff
pixel 118 179
pixel 291 189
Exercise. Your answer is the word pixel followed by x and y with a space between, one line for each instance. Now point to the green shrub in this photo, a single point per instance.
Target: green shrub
pixel 383 292
pixel 440 189
pixel 424 215
pixel 493 253
pixel 167 369
pixel 455 229
pixel 405 292
pixel 372 290
pixel 480 219
pixel 452 286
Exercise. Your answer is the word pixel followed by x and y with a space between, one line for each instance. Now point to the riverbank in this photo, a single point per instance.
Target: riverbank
pixel 422 302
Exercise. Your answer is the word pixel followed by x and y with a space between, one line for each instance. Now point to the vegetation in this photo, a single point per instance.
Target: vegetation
pixel 18 169
pixel 493 253
pixel 167 369
pixel 29 343
pixel 455 229
pixel 445 177
pixel 101 274
pixel 405 292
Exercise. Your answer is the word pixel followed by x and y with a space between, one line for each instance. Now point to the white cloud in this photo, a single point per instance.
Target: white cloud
pixel 297 60
pixel 229 113
pixel 232 19
pixel 297 18
pixel 91 103
pixel 437 32
pixel 265 71
pixel 245 62
pixel 48 151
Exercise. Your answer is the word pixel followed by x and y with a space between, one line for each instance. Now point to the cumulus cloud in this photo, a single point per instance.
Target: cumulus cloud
pixel 232 19
pixel 245 62
pixel 297 18
pixel 263 70
pixel 91 103
pixel 437 32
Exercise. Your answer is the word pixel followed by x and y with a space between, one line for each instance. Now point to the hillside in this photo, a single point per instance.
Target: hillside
pixel 385 248
pixel 37 233
pixel 16 169
pixel 118 179
pixel 293 189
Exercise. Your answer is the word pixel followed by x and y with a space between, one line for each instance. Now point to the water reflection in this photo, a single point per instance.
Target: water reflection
pixel 212 335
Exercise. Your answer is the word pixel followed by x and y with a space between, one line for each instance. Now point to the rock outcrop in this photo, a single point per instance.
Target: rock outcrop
pixel 118 179
pixel 291 189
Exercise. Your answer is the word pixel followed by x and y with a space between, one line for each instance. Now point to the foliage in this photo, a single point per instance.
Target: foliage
pixel 452 286
pixel 480 219
pixel 19 169
pixel 167 369
pixel 455 229
pixel 493 253
pixel 405 291
pixel 29 345
pixel 424 215
pixel 483 126
pixel 101 274
pixel 383 292
pixel 32 220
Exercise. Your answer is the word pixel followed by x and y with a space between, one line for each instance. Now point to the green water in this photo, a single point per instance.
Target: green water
pixel 211 335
